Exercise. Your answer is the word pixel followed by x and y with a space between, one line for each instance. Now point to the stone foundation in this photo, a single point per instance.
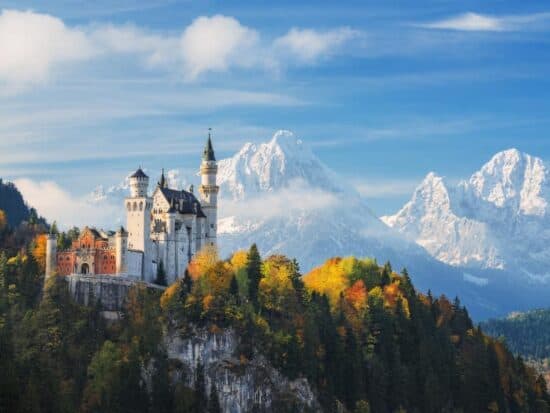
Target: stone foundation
pixel 109 290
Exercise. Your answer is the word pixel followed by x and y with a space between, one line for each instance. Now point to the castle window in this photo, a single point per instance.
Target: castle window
pixel 129 206
pixel 141 206
pixel 134 206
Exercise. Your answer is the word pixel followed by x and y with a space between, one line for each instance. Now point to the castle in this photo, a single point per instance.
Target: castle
pixel 165 229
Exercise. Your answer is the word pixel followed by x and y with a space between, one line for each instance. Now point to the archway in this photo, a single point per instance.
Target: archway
pixel 85 269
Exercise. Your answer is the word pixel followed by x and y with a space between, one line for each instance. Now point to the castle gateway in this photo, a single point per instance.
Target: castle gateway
pixel 166 229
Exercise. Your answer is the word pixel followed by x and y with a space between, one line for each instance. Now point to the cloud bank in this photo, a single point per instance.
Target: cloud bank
pixel 56 204
pixel 33 44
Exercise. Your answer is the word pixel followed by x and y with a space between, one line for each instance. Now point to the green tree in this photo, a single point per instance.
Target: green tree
pixel 161 274
pixel 254 272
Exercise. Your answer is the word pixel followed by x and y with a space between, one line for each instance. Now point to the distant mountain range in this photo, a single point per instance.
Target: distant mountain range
pixel 499 218
pixel 280 196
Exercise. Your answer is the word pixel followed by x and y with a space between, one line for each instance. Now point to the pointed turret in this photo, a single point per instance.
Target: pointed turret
pixel 162 181
pixel 208 153
pixel 209 191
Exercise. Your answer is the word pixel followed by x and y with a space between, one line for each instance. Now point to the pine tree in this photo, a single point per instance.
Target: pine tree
pixel 161 274
pixel 254 271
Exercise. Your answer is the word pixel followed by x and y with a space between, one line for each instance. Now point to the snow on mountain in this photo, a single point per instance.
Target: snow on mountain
pixel 282 197
pixel 497 219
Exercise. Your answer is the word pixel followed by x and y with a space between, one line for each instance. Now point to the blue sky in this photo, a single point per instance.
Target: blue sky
pixel 384 91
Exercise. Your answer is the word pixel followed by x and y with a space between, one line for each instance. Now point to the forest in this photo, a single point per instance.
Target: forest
pixel 360 333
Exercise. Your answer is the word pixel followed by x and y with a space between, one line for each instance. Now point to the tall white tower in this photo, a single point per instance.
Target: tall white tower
pixel 51 255
pixel 209 191
pixel 138 219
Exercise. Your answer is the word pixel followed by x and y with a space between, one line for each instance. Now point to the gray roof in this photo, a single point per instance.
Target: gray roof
pixel 208 153
pixel 139 174
pixel 182 201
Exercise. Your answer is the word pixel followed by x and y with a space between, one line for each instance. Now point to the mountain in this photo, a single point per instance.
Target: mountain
pixel 497 219
pixel 280 196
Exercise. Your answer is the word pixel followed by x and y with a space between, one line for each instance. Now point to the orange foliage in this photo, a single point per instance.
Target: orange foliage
pixel 239 260
pixel 203 260
pixel 357 295
pixel 39 251
pixel 217 278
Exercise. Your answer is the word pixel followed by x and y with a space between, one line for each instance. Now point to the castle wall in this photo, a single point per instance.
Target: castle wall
pixel 109 291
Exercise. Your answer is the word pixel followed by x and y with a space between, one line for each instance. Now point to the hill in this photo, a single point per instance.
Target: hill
pixel 13 204
pixel 249 334
pixel 526 333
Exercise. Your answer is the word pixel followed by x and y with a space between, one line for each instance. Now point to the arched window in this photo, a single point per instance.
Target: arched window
pixel 141 206
pixel 129 206
pixel 135 206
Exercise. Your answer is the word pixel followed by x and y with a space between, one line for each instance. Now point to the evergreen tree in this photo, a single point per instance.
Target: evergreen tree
pixel 254 272
pixel 161 274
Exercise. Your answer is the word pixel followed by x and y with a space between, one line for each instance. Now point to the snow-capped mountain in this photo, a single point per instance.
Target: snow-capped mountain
pixel 497 219
pixel 280 196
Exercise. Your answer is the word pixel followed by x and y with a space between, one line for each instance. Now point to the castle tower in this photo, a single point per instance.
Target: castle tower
pixel 138 219
pixel 121 249
pixel 51 255
pixel 209 191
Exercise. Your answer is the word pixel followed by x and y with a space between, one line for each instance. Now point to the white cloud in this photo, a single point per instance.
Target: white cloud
pixel 308 45
pixel 55 204
pixel 31 44
pixel 298 196
pixel 216 43
pixel 479 22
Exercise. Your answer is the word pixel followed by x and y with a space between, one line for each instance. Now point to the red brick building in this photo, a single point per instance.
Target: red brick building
pixel 92 253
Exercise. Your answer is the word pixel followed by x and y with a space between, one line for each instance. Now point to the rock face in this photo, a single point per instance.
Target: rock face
pixel 242 387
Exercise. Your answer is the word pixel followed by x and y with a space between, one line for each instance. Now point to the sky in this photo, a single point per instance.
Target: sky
pixel 384 92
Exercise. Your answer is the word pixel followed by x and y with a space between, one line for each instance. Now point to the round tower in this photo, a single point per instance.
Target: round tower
pixel 139 182
pixel 121 248
pixel 209 191
pixel 51 255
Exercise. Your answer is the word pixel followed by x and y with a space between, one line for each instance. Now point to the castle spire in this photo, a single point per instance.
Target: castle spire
pixel 162 182
pixel 208 153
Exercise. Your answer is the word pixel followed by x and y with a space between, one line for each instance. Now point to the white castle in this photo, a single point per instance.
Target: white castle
pixel 166 229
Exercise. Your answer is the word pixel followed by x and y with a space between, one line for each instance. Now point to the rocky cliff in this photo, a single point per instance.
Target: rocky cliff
pixel 242 386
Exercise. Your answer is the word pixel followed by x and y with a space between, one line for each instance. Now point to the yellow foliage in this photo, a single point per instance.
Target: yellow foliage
pixel 276 288
pixel 239 260
pixel 169 294
pixel 217 278
pixel 39 251
pixel 206 258
pixel 3 220
pixel 330 279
